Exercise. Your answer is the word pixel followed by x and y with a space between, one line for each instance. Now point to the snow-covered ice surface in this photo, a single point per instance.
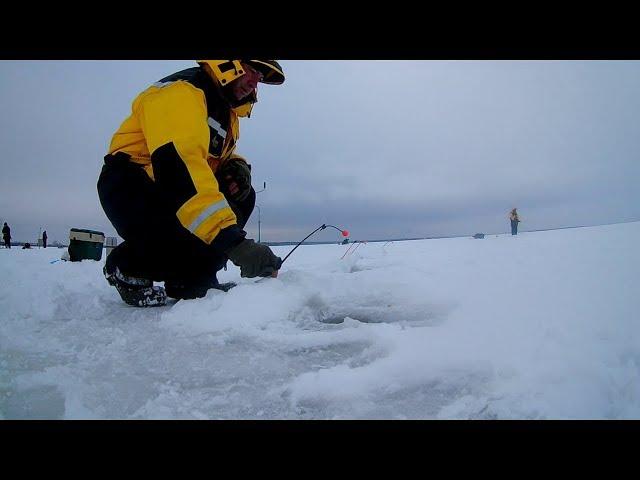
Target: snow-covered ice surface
pixel 543 325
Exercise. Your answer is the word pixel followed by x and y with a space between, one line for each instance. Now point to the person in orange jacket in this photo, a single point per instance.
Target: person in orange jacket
pixel 515 219
pixel 176 191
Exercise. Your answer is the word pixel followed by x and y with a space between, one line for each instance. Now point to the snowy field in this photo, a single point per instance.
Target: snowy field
pixel 544 325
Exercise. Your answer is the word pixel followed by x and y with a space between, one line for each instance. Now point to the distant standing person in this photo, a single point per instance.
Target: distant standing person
pixel 514 221
pixel 44 239
pixel 6 235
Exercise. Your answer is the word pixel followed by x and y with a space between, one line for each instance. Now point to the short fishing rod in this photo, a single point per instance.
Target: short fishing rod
pixel 345 233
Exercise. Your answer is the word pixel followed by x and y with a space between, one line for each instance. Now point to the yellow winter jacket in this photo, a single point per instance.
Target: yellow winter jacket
pixel 181 130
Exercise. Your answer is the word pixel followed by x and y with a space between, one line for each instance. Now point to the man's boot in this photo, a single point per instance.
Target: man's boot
pixel 189 291
pixel 137 292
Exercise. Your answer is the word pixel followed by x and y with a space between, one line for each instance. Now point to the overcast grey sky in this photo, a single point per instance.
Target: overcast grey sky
pixel 386 149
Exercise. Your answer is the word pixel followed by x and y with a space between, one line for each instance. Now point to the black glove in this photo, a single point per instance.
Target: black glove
pixel 234 179
pixel 254 259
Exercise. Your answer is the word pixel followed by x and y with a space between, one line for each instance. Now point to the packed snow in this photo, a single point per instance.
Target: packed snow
pixel 542 325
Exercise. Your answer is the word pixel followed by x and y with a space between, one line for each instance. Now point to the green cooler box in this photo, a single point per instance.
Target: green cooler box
pixel 85 244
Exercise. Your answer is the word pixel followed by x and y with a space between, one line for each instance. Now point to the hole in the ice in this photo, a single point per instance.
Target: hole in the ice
pixel 380 314
pixel 336 319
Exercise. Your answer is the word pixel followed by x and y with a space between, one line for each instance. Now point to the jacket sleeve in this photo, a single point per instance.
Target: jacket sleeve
pixel 174 123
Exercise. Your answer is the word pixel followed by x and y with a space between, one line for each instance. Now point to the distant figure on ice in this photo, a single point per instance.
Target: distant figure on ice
pixel 6 235
pixel 513 216
pixel 171 168
pixel 44 239
pixel 26 246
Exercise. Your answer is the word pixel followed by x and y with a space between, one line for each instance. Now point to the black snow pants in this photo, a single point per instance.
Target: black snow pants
pixel 156 246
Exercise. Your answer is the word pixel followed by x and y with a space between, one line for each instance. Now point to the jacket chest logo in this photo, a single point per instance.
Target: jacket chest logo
pixel 218 136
